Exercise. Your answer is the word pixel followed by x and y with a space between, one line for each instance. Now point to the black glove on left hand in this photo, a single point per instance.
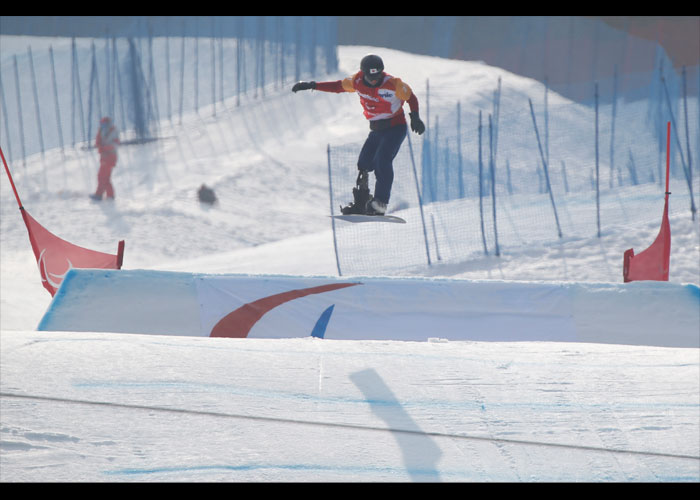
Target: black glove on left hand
pixel 417 124
pixel 303 86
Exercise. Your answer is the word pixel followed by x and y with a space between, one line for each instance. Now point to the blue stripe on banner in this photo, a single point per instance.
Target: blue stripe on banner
pixel 320 328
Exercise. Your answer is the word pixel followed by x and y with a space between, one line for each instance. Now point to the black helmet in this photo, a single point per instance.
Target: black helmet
pixel 372 65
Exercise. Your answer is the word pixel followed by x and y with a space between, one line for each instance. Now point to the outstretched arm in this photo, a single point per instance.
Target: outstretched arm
pixel 337 86
pixel 303 86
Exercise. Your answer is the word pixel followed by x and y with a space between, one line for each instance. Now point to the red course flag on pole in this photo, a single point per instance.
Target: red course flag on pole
pixel 56 256
pixel 653 263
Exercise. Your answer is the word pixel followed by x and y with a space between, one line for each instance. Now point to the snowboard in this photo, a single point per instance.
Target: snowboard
pixel 369 218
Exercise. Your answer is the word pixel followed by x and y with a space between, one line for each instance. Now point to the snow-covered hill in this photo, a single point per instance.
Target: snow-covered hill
pixel 110 407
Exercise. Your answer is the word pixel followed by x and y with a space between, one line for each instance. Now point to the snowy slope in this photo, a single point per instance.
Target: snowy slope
pixel 267 162
pixel 199 409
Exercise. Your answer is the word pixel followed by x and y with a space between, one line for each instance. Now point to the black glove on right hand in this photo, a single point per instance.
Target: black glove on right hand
pixel 303 86
pixel 417 124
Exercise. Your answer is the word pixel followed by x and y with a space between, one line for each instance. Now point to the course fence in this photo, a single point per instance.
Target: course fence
pixel 54 93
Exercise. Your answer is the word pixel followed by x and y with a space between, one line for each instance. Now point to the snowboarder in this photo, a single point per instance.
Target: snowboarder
pixel 382 97
pixel 106 142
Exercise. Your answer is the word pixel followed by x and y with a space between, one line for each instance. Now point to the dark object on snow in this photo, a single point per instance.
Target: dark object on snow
pixel 206 195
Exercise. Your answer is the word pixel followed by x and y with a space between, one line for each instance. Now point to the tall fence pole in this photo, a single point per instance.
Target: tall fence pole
pixel 37 108
pixel 597 166
pixel 93 83
pixel 297 49
pixel 79 93
pixel 167 72
pixel 496 119
pixel 687 138
pixel 196 66
pixel 222 96
pixel 263 46
pixel 459 151
pixel 612 127
pixel 435 160
pixel 55 97
pixel 239 51
pixel 481 190
pixel 330 192
pixel 19 115
pixel 686 169
pixel 152 92
pixel 119 85
pixel 213 68
pixel 492 168
pixel 73 92
pixel 182 72
pixel 6 118
pixel 546 119
pixel 546 169
pixel 420 198
pixel 108 79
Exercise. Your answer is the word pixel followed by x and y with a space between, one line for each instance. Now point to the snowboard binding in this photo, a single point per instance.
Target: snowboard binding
pixel 360 195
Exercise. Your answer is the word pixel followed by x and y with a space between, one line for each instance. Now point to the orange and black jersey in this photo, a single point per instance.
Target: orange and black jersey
pixel 382 102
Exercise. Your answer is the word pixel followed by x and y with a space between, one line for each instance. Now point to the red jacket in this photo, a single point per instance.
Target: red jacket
pixel 379 103
pixel 107 139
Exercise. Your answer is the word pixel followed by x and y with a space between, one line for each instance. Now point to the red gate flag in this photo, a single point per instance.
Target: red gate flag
pixel 55 256
pixel 654 262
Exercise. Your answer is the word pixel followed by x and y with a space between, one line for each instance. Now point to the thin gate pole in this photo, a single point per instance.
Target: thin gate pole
pixel 420 199
pixel 330 192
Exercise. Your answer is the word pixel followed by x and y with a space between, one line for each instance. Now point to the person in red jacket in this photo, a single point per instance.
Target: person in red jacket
pixel 106 142
pixel 382 97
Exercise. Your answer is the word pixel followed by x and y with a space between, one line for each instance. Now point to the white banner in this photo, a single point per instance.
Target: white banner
pixel 375 308
pixel 249 306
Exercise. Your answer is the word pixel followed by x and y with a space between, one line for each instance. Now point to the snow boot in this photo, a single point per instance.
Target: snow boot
pixel 361 195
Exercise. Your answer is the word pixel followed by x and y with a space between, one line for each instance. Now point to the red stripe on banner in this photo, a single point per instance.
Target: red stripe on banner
pixel 238 323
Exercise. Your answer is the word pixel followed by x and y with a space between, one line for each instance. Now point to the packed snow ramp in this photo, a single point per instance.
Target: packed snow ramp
pixel 413 309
